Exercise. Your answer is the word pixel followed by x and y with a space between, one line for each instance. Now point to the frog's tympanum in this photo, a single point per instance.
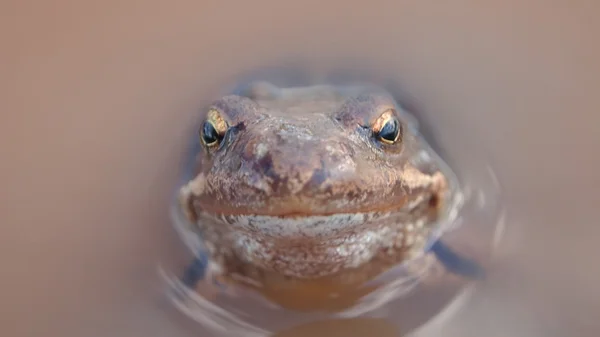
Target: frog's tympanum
pixel 312 184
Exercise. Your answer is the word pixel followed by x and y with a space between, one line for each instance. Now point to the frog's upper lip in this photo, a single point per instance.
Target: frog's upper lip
pixel 302 205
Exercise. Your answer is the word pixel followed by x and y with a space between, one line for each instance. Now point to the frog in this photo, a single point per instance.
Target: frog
pixel 314 185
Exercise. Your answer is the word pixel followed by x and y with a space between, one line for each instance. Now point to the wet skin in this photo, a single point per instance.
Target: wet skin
pixel 314 183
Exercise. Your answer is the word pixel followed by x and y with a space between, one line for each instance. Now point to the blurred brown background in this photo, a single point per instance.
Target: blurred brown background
pixel 97 99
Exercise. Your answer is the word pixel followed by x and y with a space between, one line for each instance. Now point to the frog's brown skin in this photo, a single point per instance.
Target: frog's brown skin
pixel 300 188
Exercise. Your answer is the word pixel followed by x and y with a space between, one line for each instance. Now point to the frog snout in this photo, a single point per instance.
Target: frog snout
pixel 301 166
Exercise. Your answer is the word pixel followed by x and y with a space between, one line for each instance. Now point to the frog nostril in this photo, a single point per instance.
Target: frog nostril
pixel 434 201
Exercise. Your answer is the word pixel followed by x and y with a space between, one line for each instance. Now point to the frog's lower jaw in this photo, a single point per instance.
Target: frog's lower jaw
pixel 315 246
pixel 318 246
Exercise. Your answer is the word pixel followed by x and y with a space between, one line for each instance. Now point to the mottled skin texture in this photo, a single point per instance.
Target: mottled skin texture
pixel 300 185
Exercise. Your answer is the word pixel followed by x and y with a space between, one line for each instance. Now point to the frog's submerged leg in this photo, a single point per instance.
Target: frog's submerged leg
pixel 198 277
pixel 196 271
pixel 456 263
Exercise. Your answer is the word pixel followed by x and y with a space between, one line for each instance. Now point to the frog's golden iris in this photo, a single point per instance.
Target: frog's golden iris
pixel 213 129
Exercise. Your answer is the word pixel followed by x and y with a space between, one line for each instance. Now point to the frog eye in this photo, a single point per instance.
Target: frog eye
pixel 213 129
pixel 387 128
pixel 209 134
pixel 390 131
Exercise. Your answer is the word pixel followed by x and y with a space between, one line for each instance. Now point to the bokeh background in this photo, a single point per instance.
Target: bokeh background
pixel 97 100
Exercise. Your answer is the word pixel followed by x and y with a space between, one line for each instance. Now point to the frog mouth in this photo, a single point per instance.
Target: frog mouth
pixel 312 224
pixel 406 205
pixel 196 198
pixel 314 245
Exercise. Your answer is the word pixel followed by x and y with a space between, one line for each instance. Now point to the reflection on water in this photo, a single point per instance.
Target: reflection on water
pixel 408 295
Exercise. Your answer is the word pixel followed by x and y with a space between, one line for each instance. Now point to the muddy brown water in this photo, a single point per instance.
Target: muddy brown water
pixel 98 99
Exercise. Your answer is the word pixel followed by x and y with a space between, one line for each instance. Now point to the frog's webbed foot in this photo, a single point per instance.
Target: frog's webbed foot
pixel 196 271
pixel 455 263
pixel 200 277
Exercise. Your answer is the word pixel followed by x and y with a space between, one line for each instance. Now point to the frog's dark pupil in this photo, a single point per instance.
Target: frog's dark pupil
pixel 209 134
pixel 390 130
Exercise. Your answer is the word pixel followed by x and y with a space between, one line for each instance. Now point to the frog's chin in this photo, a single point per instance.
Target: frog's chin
pixel 312 246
